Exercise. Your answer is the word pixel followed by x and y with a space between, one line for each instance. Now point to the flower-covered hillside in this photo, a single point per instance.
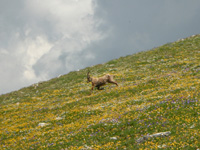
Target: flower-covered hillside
pixel 155 106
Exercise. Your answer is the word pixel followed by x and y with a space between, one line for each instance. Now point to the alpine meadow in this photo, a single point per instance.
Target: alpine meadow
pixel 155 106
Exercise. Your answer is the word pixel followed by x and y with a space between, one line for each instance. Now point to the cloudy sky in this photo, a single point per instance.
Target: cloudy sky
pixel 41 39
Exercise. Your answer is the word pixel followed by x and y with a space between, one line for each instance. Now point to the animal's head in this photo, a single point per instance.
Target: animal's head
pixel 88 77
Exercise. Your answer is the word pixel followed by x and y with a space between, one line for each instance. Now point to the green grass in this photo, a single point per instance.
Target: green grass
pixel 158 91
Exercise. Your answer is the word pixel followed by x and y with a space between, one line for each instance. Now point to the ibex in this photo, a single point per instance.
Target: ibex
pixel 98 82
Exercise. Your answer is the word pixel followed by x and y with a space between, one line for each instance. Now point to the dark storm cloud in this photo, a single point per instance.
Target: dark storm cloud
pixel 141 25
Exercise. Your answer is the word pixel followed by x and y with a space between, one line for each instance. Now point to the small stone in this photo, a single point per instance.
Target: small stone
pixel 43 124
pixel 162 146
pixel 191 127
pixel 113 138
pixel 87 147
pixel 59 118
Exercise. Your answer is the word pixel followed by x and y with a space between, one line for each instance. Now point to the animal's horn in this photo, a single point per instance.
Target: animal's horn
pixel 88 76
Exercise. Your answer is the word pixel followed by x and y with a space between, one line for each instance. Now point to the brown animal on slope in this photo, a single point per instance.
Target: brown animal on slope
pixel 98 82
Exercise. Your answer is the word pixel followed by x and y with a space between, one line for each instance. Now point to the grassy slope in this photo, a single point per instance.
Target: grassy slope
pixel 159 91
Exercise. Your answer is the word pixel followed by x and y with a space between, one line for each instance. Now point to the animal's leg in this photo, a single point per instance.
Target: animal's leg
pixel 92 87
pixel 98 87
pixel 113 82
pixel 110 80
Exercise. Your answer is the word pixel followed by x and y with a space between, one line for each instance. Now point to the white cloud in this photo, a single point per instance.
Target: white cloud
pixel 32 50
pixel 46 38
pixel 3 52
pixel 68 18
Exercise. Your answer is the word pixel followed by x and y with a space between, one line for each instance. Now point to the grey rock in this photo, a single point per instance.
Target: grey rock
pixel 146 137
